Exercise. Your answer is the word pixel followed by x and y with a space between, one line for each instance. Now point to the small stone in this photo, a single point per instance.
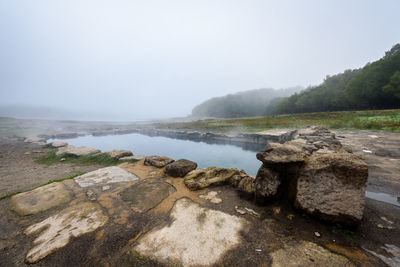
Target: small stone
pixel 258 250
pixel 58 144
pixel 63 159
pixel 120 153
pixel 247 185
pixel 106 187
pixel 27 153
pixel 290 216
pixel 276 210
pixel 317 234
pixel 367 151
pixel 252 212
pixel 180 168
pixel 240 210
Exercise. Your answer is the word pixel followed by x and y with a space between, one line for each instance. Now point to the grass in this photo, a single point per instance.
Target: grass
pixel 102 159
pixel 48 182
pixel 387 120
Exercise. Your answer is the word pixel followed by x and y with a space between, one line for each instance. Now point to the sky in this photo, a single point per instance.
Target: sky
pixel 139 60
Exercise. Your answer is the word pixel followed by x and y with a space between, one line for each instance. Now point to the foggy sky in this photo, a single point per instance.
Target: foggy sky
pixel 154 59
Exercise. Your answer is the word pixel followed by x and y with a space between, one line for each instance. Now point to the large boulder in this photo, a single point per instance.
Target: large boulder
pixel 332 187
pixel 157 161
pixel 77 151
pixel 180 168
pixel 120 153
pixel 315 174
pixel 202 178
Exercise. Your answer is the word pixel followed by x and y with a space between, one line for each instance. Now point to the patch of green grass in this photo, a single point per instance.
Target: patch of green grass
pixel 98 159
pixel 388 120
pixel 48 182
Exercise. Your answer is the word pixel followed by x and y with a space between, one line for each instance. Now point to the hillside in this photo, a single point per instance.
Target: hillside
pixel 375 86
pixel 243 104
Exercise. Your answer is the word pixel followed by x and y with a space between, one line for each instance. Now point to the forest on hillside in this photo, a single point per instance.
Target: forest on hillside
pixel 243 104
pixel 375 86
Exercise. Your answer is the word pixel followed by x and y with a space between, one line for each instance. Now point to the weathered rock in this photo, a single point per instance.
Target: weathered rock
pixel 77 151
pixel 120 153
pixel 277 154
pixel 40 199
pixel 157 161
pixel 105 176
pixel 305 253
pixel 196 236
pixel 266 184
pixel 58 144
pixel 34 139
pixel 247 185
pixel 235 180
pixel 71 222
pixel 202 178
pixel 180 168
pixel 146 195
pixel 332 186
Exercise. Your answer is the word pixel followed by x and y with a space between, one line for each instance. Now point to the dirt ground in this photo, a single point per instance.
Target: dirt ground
pixel 20 172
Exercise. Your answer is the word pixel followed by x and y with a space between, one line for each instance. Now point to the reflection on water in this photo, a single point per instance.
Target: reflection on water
pixel 227 156
pixel 382 197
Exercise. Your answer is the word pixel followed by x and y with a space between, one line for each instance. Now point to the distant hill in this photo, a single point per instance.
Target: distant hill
pixel 243 104
pixel 375 86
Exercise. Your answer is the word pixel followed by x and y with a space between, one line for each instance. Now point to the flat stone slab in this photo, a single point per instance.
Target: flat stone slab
pixel 105 176
pixel 120 153
pixel 59 144
pixel 71 222
pixel 40 199
pixel 305 253
pixel 147 194
pixel 34 139
pixel 196 236
pixel 77 151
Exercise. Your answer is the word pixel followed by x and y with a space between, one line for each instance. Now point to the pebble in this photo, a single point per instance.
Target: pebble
pixel 317 234
pixel 367 151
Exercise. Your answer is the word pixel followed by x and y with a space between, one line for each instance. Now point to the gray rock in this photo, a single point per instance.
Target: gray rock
pixel 332 187
pixel 77 151
pixel 120 153
pixel 202 178
pixel 34 139
pixel 275 153
pixel 157 161
pixel 105 176
pixel 146 195
pixel 266 184
pixel 180 168
pixel 58 144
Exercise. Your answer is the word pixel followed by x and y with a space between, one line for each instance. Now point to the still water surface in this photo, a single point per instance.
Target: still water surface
pixel 227 156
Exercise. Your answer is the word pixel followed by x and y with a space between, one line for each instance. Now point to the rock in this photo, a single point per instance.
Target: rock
pixel 146 195
pixel 212 197
pixel 266 184
pixel 332 187
pixel 235 180
pixel 63 159
pixel 60 228
pixel 135 157
pixel 58 144
pixel 195 236
pixel 120 153
pixel 202 178
pixel 34 139
pixel 157 161
pixel 317 234
pixel 105 176
pixel 247 185
pixel 278 154
pixel 77 151
pixel 303 253
pixel 180 168
pixel 40 199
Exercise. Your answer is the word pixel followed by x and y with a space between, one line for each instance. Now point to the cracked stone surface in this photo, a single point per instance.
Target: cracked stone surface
pixel 195 231
pixel 105 176
pixel 71 222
